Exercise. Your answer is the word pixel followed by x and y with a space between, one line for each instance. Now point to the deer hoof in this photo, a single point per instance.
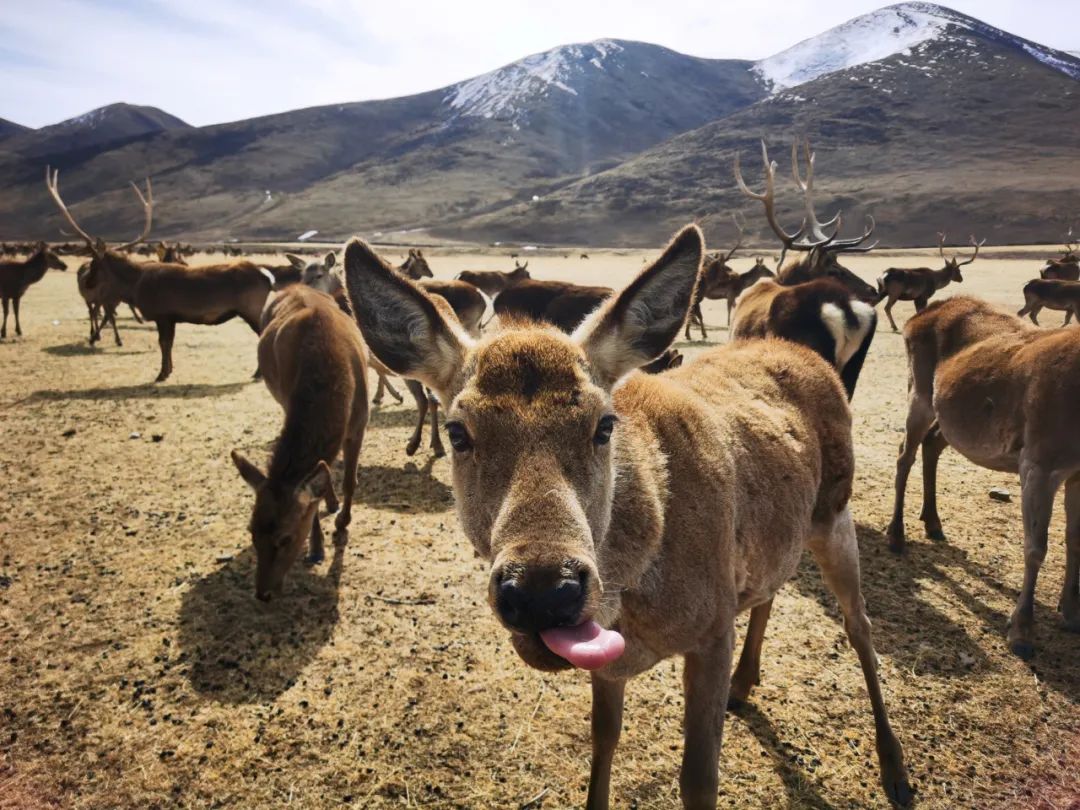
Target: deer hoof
pixel 341 537
pixel 315 557
pixel 935 534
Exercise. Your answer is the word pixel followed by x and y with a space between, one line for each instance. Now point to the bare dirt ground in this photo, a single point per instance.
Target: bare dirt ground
pixel 138 671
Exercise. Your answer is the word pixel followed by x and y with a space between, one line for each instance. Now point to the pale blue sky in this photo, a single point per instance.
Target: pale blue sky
pixel 230 59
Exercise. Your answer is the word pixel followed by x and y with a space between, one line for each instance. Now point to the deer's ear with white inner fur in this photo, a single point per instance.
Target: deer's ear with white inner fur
pixel 296 261
pixel 329 260
pixel 400 323
pixel 639 323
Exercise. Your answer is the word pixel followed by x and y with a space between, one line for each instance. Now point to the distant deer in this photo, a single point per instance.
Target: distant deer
pixel 171 254
pixel 17 276
pixel 919 284
pixel 1004 395
pixel 169 294
pixel 311 356
pixel 1056 294
pixel 1067 268
pixel 719 281
pixel 493 282
pixel 818 250
pixel 560 303
pixel 583 492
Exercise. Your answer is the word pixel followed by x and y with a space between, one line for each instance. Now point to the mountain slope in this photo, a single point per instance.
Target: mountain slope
pixel 521 130
pixel 106 126
pixel 9 128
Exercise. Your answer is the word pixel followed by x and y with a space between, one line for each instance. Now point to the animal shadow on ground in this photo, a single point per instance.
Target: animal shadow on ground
pixel 383 417
pixel 405 489
pixel 81 348
pixel 148 391
pixel 921 638
pixel 244 651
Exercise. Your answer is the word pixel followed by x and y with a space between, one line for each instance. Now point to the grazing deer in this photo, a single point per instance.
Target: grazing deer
pixel 918 284
pixel 823 315
pixel 587 496
pixel 169 294
pixel 493 282
pixel 17 276
pixel 311 356
pixel 1043 293
pixel 559 303
pixel 1067 268
pixel 817 250
pixel 1004 395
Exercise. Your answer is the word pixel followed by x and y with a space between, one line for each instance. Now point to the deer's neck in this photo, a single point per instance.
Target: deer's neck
pixel 34 268
pixel 126 271
pixel 314 426
pixel 941 277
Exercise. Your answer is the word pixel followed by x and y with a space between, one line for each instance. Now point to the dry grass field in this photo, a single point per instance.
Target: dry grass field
pixel 138 671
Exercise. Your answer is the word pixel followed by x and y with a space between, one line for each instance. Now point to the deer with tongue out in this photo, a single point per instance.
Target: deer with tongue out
pixel 621 512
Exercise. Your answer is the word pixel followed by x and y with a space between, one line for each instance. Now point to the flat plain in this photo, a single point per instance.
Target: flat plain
pixel 137 670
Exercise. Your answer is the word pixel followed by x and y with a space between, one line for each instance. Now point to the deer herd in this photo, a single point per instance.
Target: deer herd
pixel 572 472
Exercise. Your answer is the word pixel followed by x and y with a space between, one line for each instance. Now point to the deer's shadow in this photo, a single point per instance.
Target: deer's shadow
pixel 403 489
pixel 244 651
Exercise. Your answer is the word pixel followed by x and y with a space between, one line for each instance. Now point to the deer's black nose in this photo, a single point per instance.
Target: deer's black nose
pixel 531 602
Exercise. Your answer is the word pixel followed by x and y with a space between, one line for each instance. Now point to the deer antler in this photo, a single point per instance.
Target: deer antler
pixel 52 182
pixel 740 226
pixel 148 210
pixel 1070 245
pixel 975 255
pixel 817 228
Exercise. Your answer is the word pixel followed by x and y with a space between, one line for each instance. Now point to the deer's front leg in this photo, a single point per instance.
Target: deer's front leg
pixel 607 708
pixel 706 683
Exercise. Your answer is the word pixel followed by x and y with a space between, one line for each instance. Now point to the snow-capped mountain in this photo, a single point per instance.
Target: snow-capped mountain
pixel 889 31
pixel 112 124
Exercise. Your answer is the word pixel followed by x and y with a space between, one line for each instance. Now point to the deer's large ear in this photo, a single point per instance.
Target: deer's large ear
pixel 296 261
pixel 248 471
pixel 639 323
pixel 400 323
pixel 329 260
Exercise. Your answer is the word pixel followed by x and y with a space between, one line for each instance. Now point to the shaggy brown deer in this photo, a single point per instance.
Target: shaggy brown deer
pixel 17 276
pixel 1046 293
pixel 1004 395
pixel 823 315
pixel 624 523
pixel 1067 268
pixel 311 356
pixel 169 294
pixel 817 250
pixel 493 282
pixel 918 284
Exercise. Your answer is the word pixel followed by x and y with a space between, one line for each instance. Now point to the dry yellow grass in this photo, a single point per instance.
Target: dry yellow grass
pixel 138 671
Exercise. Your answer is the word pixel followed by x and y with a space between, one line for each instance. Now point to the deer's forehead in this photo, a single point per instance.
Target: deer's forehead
pixel 528 371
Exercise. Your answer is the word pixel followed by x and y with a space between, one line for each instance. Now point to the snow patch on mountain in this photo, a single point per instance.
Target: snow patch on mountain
pixel 506 92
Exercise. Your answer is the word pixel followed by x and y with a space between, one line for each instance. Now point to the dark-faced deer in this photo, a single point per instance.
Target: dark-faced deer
pixel 586 493
pixel 817 250
pixel 17 276
pixel 493 282
pixel 918 284
pixel 1067 268
pixel 1056 294
pixel 823 315
pixel 169 294
pixel 311 356
pixel 1004 395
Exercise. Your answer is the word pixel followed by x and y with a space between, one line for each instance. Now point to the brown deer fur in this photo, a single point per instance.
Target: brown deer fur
pixel 311 356
pixel 493 282
pixel 661 531
pixel 822 315
pixel 559 303
pixel 918 284
pixel 719 281
pixel 1004 395
pixel 1067 268
pixel 1046 293
pixel 17 276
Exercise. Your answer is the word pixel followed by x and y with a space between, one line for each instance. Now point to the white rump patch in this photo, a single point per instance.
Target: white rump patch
pixel 846 339
pixel 269 276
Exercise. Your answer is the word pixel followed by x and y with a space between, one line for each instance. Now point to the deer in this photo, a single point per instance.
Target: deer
pixel 716 276
pixel 312 359
pixel 817 251
pixel 170 254
pixel 559 303
pixel 1067 268
pixel 573 474
pixel 493 282
pixel 919 284
pixel 823 315
pixel 1002 394
pixel 16 277
pixel 1040 293
pixel 723 282
pixel 168 294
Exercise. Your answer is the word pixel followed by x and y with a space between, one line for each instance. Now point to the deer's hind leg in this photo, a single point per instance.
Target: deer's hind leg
pixel 920 419
pixel 348 486
pixel 1036 505
pixel 748 671
pixel 436 439
pixel 3 329
pixel 420 395
pixel 932 447
pixel 836 550
pixel 1069 605
pixel 607 711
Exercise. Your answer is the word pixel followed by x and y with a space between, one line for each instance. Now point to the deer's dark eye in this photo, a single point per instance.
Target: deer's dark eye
pixel 459 437
pixel 604 428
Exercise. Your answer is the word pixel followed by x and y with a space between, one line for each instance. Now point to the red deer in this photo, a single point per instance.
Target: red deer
pixel 311 356
pixel 559 303
pixel 822 315
pixel 723 282
pixel 588 497
pixel 818 250
pixel 493 282
pixel 1049 293
pixel 1004 395
pixel 170 254
pixel 918 284
pixel 17 276
pixel 169 294
pixel 715 278
pixel 1067 268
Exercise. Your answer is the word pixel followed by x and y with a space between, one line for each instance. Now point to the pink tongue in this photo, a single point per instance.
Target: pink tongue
pixel 588 646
